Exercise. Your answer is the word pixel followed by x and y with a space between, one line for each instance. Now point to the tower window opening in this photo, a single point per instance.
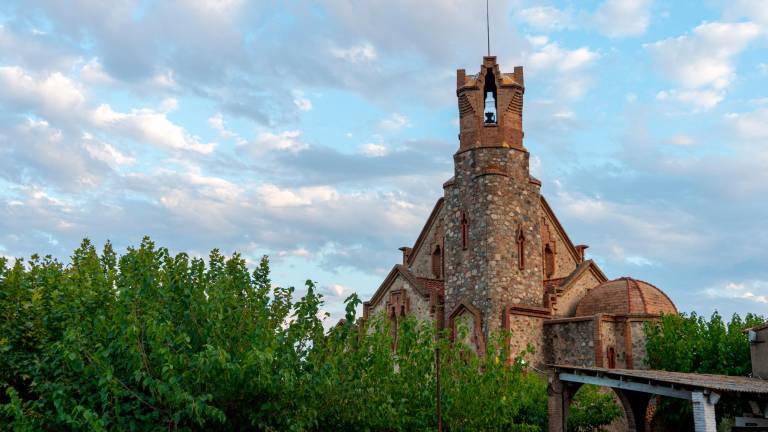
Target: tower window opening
pixel 489 97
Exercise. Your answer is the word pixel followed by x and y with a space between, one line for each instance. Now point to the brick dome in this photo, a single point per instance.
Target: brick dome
pixel 625 296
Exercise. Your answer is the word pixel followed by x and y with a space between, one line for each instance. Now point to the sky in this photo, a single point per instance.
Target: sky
pixel 320 132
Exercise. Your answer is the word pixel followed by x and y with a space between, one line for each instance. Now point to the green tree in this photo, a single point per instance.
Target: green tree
pixel 592 408
pixel 691 343
pixel 151 341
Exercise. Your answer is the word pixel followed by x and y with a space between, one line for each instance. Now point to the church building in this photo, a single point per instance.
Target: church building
pixel 493 255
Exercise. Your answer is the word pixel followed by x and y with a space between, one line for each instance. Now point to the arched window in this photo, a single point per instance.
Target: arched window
pixel 437 262
pixel 611 358
pixel 549 261
pixel 520 249
pixel 464 231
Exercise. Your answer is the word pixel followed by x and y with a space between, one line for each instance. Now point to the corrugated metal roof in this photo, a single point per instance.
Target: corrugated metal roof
pixel 722 383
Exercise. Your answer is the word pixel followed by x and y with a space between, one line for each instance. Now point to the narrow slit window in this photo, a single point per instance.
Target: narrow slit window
pixel 520 249
pixel 464 232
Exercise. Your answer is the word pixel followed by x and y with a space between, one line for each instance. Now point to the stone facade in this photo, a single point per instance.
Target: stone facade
pixel 493 256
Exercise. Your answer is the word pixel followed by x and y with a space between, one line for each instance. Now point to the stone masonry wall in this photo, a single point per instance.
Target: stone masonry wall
pixel 527 330
pixel 639 354
pixel 492 188
pixel 612 335
pixel 418 305
pixel 565 263
pixel 421 265
pixel 570 341
pixel 567 302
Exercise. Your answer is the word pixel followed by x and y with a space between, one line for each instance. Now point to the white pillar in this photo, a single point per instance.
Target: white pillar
pixel 704 411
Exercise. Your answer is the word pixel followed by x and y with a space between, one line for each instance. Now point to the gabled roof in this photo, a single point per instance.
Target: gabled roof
pixel 401 271
pixel 582 268
pixel 425 230
pixel 569 244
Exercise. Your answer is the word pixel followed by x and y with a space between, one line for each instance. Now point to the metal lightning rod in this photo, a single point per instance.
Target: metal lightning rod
pixel 488 28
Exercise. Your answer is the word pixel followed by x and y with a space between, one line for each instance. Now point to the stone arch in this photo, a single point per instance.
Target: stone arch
pixel 465 309
pixel 560 395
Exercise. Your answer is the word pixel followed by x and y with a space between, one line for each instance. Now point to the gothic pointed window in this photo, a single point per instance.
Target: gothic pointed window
pixel 437 262
pixel 549 261
pixel 520 249
pixel 464 232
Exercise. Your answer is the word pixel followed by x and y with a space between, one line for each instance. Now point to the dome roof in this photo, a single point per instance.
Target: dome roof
pixel 625 296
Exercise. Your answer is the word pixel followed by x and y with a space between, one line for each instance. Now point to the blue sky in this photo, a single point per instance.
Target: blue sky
pixel 320 132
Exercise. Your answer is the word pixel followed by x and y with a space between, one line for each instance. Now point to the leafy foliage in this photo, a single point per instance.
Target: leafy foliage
pixel 593 407
pixel 691 343
pixel 150 341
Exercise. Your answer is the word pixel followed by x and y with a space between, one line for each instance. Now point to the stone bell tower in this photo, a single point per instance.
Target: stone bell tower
pixel 492 237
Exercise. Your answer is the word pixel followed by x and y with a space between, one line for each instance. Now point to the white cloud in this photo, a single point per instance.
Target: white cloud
pixel 274 196
pixel 145 125
pixel 55 94
pixel 752 10
pixel 546 18
pixel 374 150
pixel 168 105
pixel 537 41
pixel 300 101
pixel 552 57
pixel 566 69
pixel 619 18
pixel 395 122
pixel 105 152
pixel 682 140
pixel 283 141
pixel 703 61
pixel 361 53
pixel 699 99
pixel 655 234
pixel 93 73
pixel 217 123
pixel 753 290
pixel 639 260
pixel 751 126
pixel 763 68
pixel 337 290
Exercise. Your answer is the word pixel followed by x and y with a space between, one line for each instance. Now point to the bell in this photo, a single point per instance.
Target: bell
pixel 490 117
